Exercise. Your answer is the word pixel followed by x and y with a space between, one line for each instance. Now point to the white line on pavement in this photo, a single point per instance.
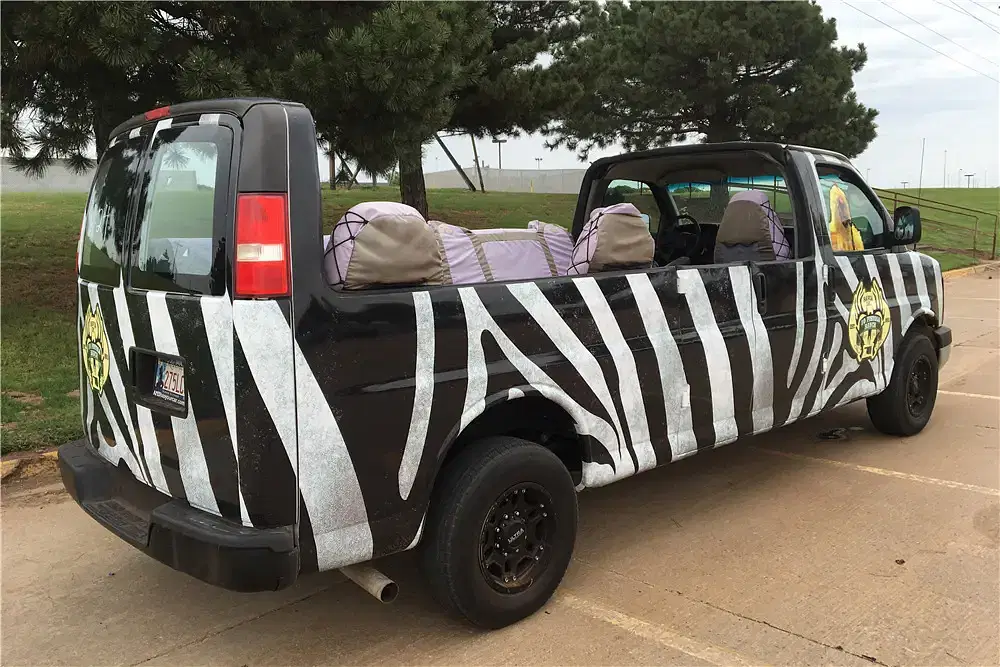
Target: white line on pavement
pixel 984 490
pixel 967 395
pixel 655 633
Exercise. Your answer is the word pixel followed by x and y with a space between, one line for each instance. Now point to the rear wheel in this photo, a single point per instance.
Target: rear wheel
pixel 905 407
pixel 501 531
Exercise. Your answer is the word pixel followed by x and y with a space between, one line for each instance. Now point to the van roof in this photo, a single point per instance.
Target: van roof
pixel 234 105
pixel 773 148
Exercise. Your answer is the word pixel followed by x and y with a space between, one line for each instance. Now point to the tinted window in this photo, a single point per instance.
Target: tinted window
pixel 180 243
pixel 103 241
pixel 853 219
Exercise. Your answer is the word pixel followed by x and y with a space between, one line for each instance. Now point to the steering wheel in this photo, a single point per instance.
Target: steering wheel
pixel 681 241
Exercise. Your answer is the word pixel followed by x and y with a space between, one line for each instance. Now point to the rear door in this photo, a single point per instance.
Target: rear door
pixel 156 311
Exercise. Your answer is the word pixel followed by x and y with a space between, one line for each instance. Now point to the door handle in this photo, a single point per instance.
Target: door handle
pixel 760 288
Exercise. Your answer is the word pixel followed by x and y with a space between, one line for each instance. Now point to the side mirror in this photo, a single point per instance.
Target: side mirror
pixel 907 225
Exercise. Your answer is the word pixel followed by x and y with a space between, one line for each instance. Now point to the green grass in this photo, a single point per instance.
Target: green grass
pixel 947 227
pixel 38 300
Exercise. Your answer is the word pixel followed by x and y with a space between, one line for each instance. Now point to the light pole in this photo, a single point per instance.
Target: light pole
pixel 945 184
pixel 499 143
pixel 868 176
pixel 538 163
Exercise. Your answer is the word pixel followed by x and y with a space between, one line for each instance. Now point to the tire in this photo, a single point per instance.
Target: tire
pixel 892 411
pixel 488 480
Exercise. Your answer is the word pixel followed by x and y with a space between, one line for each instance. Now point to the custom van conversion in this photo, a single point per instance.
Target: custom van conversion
pixel 260 400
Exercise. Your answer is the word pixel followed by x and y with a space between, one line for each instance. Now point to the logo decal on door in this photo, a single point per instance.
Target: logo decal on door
pixel 95 349
pixel 869 321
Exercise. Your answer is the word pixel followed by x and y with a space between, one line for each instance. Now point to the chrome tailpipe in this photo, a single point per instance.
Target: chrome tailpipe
pixel 381 587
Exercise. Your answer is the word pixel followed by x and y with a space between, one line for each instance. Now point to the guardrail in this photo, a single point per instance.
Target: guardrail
pixel 949 227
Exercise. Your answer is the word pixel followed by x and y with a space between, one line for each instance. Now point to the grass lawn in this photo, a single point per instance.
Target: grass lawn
pixel 39 404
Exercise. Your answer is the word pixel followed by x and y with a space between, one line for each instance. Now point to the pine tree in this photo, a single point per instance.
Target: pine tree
pixel 381 88
pixel 657 73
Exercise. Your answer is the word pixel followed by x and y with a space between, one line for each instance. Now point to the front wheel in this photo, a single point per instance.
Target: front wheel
pixel 500 531
pixel 905 407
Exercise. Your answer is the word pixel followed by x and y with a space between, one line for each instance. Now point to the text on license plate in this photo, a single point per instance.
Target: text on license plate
pixel 168 382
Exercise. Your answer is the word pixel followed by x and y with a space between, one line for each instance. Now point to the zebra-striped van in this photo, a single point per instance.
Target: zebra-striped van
pixel 250 417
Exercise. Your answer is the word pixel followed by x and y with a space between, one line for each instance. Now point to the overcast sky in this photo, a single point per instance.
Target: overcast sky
pixel 918 93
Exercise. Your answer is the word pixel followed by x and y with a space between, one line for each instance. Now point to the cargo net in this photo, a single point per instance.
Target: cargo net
pixel 583 250
pixel 782 249
pixel 344 232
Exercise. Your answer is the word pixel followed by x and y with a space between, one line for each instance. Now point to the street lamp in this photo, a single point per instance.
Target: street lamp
pixel 499 143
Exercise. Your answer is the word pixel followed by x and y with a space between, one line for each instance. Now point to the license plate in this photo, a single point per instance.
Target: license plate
pixel 168 382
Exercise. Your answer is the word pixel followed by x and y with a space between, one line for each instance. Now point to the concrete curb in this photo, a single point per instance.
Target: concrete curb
pixel 970 270
pixel 29 464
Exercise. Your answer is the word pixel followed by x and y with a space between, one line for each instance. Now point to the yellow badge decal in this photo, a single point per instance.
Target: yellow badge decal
pixel 869 321
pixel 95 349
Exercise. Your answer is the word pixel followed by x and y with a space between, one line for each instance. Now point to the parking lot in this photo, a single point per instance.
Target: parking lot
pixel 790 548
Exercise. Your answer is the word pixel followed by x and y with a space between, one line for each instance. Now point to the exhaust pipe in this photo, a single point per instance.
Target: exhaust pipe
pixel 380 586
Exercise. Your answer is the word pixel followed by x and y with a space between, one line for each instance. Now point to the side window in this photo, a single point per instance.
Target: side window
pixel 854 219
pixel 637 193
pixel 104 223
pixel 180 244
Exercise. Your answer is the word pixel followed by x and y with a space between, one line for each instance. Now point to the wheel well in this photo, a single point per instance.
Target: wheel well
pixel 533 418
pixel 926 321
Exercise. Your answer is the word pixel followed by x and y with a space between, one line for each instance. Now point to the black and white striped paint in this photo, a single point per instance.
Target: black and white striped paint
pixel 340 425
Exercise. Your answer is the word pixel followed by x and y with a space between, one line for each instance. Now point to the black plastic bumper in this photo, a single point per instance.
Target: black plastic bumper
pixel 942 336
pixel 203 545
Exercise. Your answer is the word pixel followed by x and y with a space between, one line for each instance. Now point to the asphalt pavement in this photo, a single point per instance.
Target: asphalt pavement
pixel 787 548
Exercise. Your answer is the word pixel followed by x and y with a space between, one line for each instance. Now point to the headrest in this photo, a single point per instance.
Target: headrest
pixel 382 243
pixel 749 219
pixel 615 237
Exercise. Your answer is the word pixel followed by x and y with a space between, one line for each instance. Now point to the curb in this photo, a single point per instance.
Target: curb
pixel 20 466
pixel 971 270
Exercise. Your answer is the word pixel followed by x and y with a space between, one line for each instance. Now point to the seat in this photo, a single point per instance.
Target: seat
pixel 615 237
pixel 380 244
pixel 490 255
pixel 750 231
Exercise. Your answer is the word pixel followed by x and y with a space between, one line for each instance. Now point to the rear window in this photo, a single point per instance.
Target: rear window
pixel 103 242
pixel 180 235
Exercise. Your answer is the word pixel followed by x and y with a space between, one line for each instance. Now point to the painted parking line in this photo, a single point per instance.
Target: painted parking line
pixel 968 395
pixel 974 298
pixel 655 633
pixel 947 483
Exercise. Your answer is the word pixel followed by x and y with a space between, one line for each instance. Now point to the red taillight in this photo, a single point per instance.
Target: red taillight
pixel 153 114
pixel 262 245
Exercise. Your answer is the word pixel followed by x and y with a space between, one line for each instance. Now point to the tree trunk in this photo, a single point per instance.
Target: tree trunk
pixel 479 169
pixel 717 132
pixel 455 163
pixel 412 189
pixel 101 138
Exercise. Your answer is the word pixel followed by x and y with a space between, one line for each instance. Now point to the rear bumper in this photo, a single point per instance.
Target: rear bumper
pixel 203 545
pixel 942 337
